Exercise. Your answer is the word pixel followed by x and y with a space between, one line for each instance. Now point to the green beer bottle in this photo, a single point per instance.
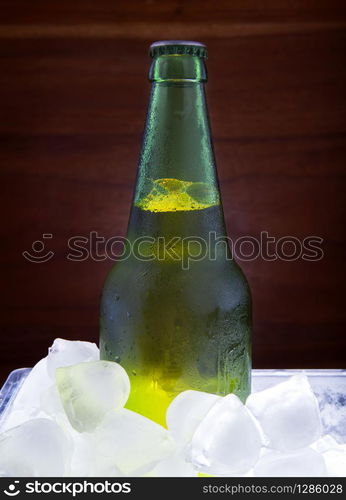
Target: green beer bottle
pixel 176 309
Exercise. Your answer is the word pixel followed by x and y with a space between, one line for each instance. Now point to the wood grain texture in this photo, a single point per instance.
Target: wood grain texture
pixel 73 101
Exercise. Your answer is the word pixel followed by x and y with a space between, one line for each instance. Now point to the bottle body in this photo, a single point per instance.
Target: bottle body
pixel 176 313
pixel 175 327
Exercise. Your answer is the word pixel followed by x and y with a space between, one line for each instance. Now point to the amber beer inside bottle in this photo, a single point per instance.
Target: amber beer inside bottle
pixel 176 309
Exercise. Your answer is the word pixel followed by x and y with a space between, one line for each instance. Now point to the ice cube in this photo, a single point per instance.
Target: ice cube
pixel 84 460
pixel 89 390
pixel 325 443
pixel 335 460
pixel 185 413
pixel 41 379
pixel 288 414
pixel 228 440
pixel 51 407
pixel 18 417
pixel 70 352
pixel 173 466
pixel 104 470
pixel 304 463
pixel 37 448
pixel 130 443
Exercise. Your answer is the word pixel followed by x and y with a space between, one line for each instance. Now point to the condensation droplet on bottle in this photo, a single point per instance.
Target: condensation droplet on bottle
pixel 134 372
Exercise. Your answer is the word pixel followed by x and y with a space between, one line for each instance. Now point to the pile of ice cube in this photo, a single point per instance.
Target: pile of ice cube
pixel 68 419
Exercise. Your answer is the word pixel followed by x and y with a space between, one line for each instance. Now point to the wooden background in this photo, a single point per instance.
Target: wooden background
pixel 73 100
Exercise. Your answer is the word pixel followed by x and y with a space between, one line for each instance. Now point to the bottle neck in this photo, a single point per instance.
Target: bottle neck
pixel 177 168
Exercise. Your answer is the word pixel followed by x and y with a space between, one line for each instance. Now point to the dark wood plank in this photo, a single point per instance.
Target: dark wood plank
pixel 57 12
